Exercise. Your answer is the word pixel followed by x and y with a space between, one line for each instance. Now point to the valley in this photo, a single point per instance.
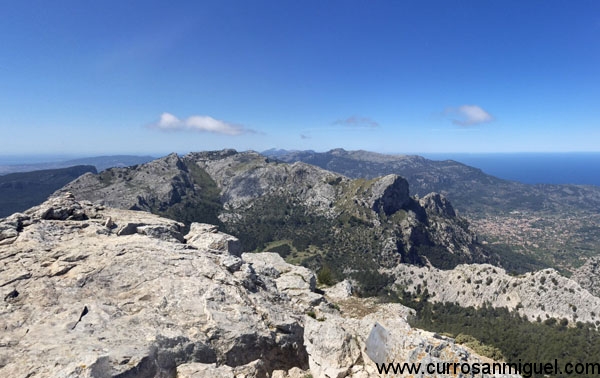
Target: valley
pixel 557 225
pixel 367 243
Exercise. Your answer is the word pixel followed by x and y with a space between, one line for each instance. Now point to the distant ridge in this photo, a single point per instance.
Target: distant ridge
pixel 20 191
pixel 556 223
pixel 100 162
pixel 470 189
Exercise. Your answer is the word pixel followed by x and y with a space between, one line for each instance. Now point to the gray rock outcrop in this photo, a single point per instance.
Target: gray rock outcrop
pixel 389 194
pixel 338 346
pixel 437 204
pixel 588 276
pixel 544 294
pixel 207 237
pixel 153 186
pixel 81 299
pixel 85 297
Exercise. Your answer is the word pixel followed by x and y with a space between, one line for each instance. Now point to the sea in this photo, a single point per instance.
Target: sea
pixel 533 168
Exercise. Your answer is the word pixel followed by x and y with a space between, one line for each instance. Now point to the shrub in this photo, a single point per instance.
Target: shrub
pixel 325 276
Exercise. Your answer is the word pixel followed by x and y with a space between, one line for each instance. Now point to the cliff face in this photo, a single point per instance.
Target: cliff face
pixel 93 291
pixel 322 218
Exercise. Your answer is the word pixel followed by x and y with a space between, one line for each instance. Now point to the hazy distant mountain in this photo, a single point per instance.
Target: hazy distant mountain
pixel 469 188
pixel 275 152
pixel 100 162
pixel 20 191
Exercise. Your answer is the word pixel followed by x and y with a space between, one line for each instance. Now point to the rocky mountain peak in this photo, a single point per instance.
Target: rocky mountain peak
pixel 435 203
pixel 389 194
pixel 337 151
pixel 93 291
pixel 304 209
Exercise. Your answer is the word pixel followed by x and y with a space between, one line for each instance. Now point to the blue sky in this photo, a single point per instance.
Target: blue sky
pixel 103 77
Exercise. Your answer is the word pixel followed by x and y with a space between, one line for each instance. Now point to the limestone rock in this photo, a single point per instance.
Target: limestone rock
pixel 541 294
pixel 331 347
pixel 435 203
pixel 297 282
pixel 206 236
pixel 83 301
pixel 341 290
pixel 200 370
pixel 80 299
pixel 588 276
pixel 166 178
pixel 337 346
pixel 389 194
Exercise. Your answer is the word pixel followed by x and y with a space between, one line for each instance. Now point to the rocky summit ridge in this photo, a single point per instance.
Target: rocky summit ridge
pixel 539 295
pixel 93 291
pixel 317 218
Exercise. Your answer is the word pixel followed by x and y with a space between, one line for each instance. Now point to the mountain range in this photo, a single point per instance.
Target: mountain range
pixel 557 224
pixel 270 268
pixel 313 217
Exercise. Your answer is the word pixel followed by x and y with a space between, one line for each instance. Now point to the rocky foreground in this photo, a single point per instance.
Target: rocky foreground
pixel 91 291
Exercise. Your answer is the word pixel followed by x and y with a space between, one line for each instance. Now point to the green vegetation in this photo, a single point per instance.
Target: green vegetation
pixel 204 205
pixel 325 276
pixel 283 250
pixel 497 332
pixel 485 350
pixel 273 218
pixel 514 262
pixel 328 246
pixel 439 256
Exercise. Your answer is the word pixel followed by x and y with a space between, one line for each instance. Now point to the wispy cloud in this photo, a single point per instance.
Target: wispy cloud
pixel 304 136
pixel 357 121
pixel 469 115
pixel 199 123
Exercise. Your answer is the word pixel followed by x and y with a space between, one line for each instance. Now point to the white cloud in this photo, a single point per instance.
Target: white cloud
pixel 470 115
pixel 357 121
pixel 168 121
pixel 200 123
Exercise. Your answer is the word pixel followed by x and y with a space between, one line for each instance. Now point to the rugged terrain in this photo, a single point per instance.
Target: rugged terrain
pixel 588 276
pixel 540 295
pixel 309 215
pixel 557 224
pixel 92 291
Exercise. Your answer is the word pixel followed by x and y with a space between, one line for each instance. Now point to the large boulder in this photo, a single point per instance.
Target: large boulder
pixel 207 237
